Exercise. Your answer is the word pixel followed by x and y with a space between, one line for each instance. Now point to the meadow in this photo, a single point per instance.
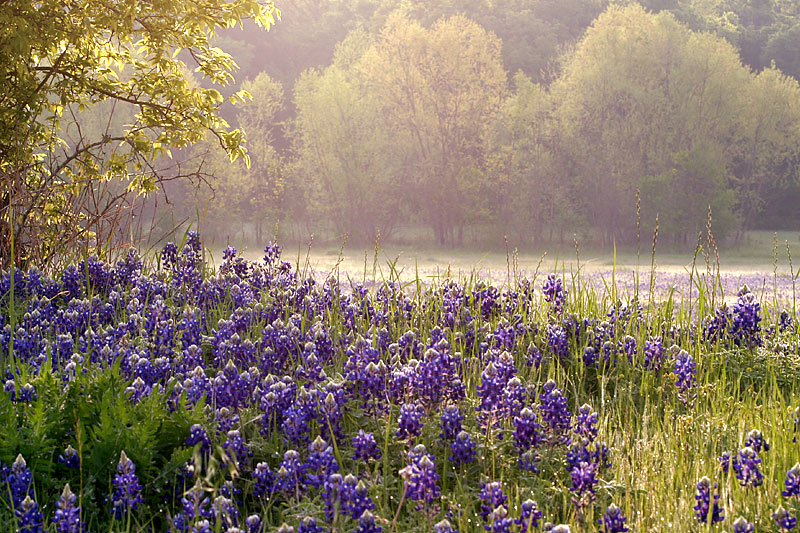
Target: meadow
pixel 268 393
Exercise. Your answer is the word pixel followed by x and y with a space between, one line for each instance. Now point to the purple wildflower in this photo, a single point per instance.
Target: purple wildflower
pixel 321 462
pixel 491 497
pixel 70 457
pixel 366 524
pixel 29 517
pixel 613 520
pixel 264 480
pixel 740 525
pixel 68 514
pixel 586 425
pixel 421 479
pixel 127 491
pixel 444 527
pixel 704 504
pixel 554 293
pixel 745 464
pixel 792 482
pixel 784 519
pixel 529 516
pixel 554 411
pixel 756 441
pixel 365 447
pixel 309 525
pixel 463 449
pixel 410 421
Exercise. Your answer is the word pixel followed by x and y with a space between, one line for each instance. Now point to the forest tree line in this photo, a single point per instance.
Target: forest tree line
pixel 537 120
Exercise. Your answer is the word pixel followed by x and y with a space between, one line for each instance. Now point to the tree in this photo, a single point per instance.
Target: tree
pixel 55 54
pixel 642 100
pixel 344 146
pixel 767 154
pixel 437 89
pixel 529 193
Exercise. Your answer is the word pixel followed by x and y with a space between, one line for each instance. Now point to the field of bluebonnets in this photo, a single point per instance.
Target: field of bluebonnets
pixel 167 396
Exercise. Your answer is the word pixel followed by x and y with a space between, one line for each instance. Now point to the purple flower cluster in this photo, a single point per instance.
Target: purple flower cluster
pixel 704 506
pixel 127 491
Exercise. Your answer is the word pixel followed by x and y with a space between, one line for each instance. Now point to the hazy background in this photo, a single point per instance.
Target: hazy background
pixel 456 131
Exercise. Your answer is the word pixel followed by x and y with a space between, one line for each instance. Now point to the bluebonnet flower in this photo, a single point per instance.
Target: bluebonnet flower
pixel 271 253
pixel 784 519
pixel 491 497
pixel 365 447
pixel 589 356
pixel 745 464
pixel 285 528
pixel 70 457
pixel 198 435
pixel 68 514
pixel 225 511
pixel 756 441
pixel 584 479
pixel 685 371
pixel 586 424
pixel 685 376
pixel 366 524
pixel 534 356
pixel 451 422
pixel 463 449
pixel 490 392
pixel 333 490
pixel 529 516
pixel 561 528
pixel 499 521
pixel 725 461
pixel 558 341
pixel 580 452
pixel 236 448
pixel 27 392
pixel 295 424
pixel 556 416
pixel 410 421
pixel 704 504
pixel 29 517
pixel 253 523
pixel 321 462
pixel 529 461
pixel 744 328
pixel 628 347
pixel 309 525
pixel 127 491
pixel 554 293
pixel 526 430
pixel 264 480
pixel 355 497
pixel 421 479
pixel 169 254
pixel 291 474
pixel 20 481
pixel 785 321
pixel 444 527
pixel 613 520
pixel 515 395
pixel 331 412
pixel 792 482
pixel 740 525
pixel 653 354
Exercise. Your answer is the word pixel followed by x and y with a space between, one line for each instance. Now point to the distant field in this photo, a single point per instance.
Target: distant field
pixel 753 262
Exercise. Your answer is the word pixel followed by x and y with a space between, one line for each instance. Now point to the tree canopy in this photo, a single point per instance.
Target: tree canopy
pixel 59 57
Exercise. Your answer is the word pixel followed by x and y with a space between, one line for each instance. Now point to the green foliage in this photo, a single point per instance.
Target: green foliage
pixel 58 56
pixel 92 414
